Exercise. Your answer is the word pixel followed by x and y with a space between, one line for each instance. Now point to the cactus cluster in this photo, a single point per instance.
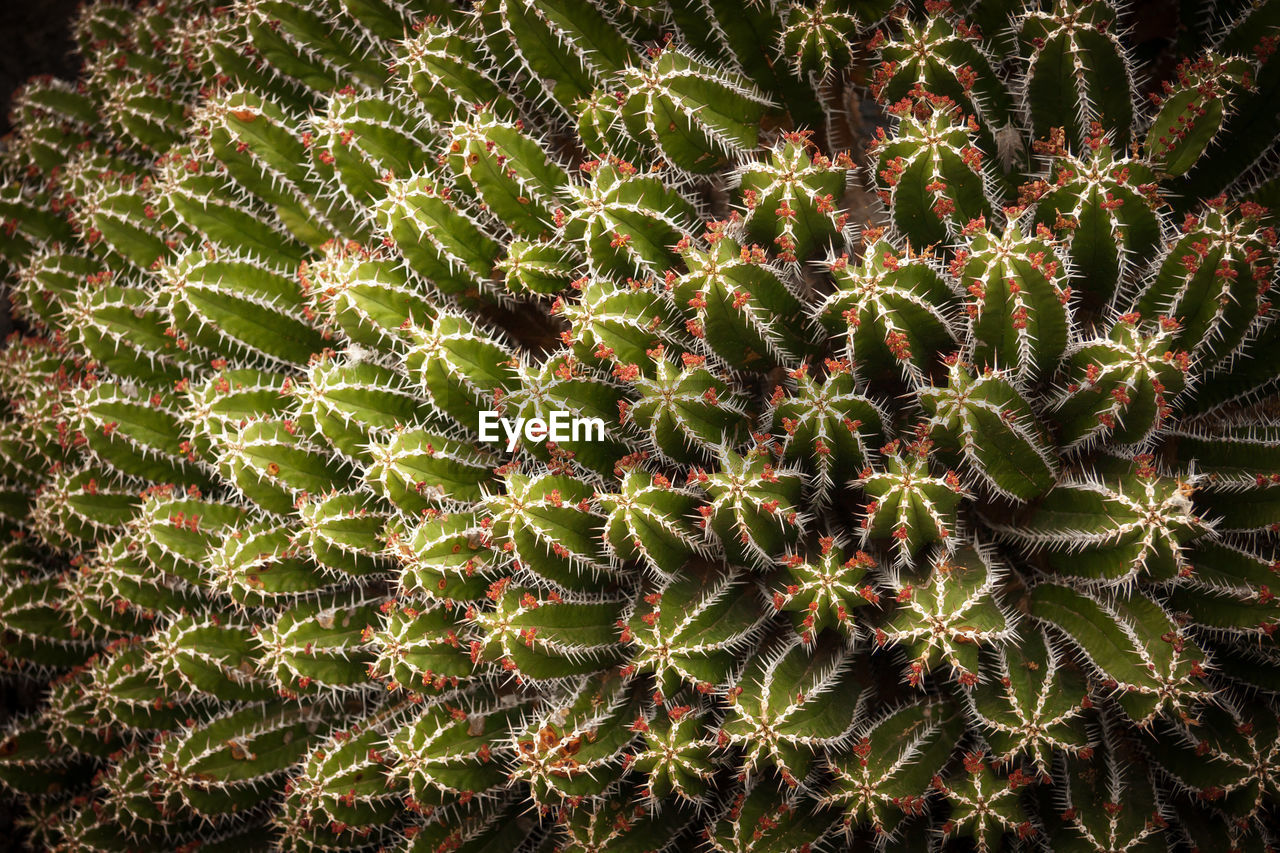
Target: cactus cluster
pixel 936 503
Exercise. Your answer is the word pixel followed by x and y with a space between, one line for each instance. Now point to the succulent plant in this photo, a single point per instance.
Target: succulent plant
pixel 929 492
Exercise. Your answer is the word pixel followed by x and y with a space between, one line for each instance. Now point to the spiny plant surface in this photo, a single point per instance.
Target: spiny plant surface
pixel 936 503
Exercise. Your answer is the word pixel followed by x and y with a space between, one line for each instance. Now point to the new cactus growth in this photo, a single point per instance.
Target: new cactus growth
pixel 930 493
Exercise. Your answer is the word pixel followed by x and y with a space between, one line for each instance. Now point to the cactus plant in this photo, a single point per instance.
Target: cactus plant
pixel 930 493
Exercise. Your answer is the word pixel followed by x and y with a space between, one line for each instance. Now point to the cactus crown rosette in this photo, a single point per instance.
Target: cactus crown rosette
pixel 932 493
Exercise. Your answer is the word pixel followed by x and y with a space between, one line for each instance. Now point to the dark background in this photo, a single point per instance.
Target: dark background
pixel 35 38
